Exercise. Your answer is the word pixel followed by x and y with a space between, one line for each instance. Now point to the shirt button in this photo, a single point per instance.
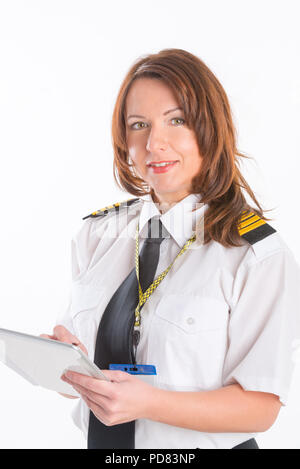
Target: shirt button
pixel 190 320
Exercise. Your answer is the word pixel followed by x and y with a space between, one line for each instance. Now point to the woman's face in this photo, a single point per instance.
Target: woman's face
pixel 157 133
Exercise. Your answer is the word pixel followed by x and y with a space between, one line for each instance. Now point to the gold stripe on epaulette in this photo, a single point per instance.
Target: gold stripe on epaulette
pixel 109 208
pixel 246 216
pixel 251 227
pixel 249 221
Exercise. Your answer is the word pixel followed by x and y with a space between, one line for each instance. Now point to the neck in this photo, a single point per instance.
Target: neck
pixel 165 203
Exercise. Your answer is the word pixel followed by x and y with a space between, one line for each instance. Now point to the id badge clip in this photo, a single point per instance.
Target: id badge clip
pixel 134 369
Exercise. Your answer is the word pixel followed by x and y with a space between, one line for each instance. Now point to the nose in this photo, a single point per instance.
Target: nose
pixel 157 140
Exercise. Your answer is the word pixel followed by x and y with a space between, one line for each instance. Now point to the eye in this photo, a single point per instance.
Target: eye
pixel 143 123
pixel 178 119
pixel 134 128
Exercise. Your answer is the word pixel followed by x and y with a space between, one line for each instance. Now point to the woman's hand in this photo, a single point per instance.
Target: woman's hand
pixel 62 334
pixel 123 399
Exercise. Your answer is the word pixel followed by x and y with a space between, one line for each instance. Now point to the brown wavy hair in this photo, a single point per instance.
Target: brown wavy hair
pixel 207 111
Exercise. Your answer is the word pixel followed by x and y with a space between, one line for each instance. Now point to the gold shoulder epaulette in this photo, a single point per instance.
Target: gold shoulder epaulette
pixel 253 228
pixel 110 208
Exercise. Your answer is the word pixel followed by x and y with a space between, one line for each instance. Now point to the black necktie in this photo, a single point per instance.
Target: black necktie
pixel 115 333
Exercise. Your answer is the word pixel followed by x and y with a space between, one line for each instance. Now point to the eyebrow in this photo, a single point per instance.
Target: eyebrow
pixel 165 113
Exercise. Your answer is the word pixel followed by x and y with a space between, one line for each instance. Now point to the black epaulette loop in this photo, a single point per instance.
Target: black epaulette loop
pixel 112 208
pixel 253 228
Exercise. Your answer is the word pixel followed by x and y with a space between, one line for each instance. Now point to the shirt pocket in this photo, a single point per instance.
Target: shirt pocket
pixel 194 313
pixel 87 302
pixel 188 340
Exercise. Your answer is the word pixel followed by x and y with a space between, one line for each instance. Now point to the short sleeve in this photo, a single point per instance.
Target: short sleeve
pixel 82 248
pixel 64 318
pixel 264 323
pixel 80 258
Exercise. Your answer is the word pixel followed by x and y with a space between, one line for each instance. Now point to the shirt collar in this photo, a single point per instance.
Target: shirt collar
pixel 179 220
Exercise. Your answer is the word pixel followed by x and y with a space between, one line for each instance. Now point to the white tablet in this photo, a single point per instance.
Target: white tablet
pixel 43 361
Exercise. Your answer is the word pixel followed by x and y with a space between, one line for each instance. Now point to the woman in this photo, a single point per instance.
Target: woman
pixel 218 334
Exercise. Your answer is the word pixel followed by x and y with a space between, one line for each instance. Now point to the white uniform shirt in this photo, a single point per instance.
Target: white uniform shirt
pixel 220 316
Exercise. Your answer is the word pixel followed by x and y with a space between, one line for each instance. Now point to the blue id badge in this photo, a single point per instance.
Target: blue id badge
pixel 134 369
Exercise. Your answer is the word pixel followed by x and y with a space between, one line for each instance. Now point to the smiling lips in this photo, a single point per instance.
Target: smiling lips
pixel 161 166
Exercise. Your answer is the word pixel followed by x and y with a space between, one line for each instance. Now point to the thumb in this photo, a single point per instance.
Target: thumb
pixel 64 335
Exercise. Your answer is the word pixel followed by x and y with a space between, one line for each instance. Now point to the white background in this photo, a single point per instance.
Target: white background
pixel 61 66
